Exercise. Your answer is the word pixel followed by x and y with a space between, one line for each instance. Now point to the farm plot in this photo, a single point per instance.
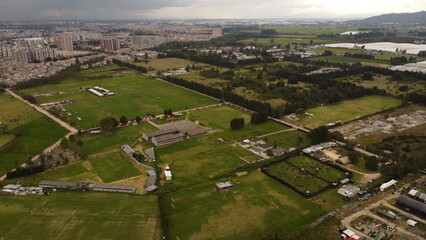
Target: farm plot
pixel 71 215
pixel 300 179
pixel 163 64
pixel 257 204
pixel 346 110
pixel 135 95
pixel 318 169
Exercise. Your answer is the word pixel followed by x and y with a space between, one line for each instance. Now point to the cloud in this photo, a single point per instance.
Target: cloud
pixel 139 9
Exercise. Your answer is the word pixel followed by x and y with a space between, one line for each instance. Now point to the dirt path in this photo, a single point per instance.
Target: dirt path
pixel 366 176
pixel 59 121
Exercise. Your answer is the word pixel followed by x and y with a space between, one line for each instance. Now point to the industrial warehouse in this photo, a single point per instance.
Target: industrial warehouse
pixel 89 186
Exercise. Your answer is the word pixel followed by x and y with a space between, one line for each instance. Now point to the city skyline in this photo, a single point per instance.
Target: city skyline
pixel 22 10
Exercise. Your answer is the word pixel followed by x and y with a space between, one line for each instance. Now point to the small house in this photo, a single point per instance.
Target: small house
pixel 278 151
pixel 266 146
pixel 349 190
pixel 168 174
pixel 343 160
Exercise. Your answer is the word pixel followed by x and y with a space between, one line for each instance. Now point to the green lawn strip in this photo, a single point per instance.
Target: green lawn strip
pixel 343 59
pixel 71 215
pixel 218 117
pixel 114 166
pixel 256 204
pixel 14 112
pixel 289 139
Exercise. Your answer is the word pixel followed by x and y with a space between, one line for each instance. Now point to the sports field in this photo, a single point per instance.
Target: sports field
pixel 28 133
pixel 347 110
pixel 76 215
pixel 256 204
pixel 136 95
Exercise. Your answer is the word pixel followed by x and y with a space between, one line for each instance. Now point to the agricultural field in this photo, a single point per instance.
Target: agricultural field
pixel 386 83
pixel 136 95
pixel 164 64
pixel 27 134
pixel 300 180
pixel 350 60
pixel 347 110
pixel 318 169
pixel 257 204
pixel 306 30
pixel 71 215
pixel 106 168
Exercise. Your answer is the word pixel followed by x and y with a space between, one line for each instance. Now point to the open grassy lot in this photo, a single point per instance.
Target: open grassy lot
pixel 294 176
pixel 201 159
pixel 71 215
pixel 256 204
pixel 306 30
pixel 5 138
pixel 14 112
pixel 163 64
pixel 343 59
pixel 385 83
pixel 108 141
pixel 114 166
pixel 218 117
pixel 105 168
pixel 347 110
pixel 136 95
pixel 318 169
pixel 289 139
pixel 31 139
pixel 204 158
pixel 73 173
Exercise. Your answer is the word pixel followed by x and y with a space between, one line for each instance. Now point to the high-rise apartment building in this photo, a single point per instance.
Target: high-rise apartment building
pixel 66 42
pixel 110 44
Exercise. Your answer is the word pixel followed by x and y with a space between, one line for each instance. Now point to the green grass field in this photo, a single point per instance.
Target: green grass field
pixel 136 95
pixel 218 117
pixel 31 139
pixel 347 110
pixel 114 166
pixel 343 59
pixel 108 141
pixel 204 158
pixel 256 204
pixel 76 215
pixel 318 169
pixel 105 168
pixel 294 176
pixel 15 113
pixel 289 139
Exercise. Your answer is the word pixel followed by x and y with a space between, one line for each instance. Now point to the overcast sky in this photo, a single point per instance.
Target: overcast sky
pixel 142 9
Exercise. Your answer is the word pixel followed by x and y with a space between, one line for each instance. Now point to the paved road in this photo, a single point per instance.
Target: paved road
pixel 59 121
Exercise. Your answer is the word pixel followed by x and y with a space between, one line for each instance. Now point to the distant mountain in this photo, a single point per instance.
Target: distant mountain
pixel 399 18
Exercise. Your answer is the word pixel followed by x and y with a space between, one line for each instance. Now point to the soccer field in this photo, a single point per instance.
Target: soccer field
pixel 77 215
pixel 136 95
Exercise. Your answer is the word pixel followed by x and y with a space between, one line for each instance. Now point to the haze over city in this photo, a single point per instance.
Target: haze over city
pixel 200 9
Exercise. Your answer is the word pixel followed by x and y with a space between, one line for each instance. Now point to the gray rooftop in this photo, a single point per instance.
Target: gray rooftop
pixel 111 186
pixel 58 183
pixel 150 154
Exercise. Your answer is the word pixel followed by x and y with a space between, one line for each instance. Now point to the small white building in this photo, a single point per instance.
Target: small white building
pixel 348 190
pixel 387 184
pixel 168 174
